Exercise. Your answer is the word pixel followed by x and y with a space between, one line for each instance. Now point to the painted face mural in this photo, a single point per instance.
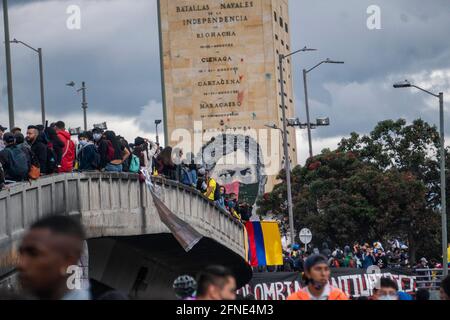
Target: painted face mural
pixel 235 163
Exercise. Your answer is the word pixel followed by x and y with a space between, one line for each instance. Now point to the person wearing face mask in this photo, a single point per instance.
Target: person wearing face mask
pixel 88 157
pixel 317 278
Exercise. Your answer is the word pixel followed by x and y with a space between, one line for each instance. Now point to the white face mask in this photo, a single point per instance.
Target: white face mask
pixel 97 136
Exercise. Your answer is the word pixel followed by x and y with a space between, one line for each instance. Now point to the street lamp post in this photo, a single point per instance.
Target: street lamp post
pixel 287 162
pixel 41 75
pixel 157 123
pixel 440 96
pixel 84 104
pixel 308 118
pixel 8 65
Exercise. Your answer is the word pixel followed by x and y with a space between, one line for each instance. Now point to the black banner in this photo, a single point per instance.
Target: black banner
pixel 354 282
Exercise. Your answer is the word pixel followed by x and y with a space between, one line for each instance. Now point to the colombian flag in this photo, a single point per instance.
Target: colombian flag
pixel 264 244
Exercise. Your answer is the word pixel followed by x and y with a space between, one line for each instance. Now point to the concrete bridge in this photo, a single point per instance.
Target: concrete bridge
pixel 130 248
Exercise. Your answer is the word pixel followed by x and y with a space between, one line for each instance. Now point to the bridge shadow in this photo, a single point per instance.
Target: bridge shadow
pixel 144 267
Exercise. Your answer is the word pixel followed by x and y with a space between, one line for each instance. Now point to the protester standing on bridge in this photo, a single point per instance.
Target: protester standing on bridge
pixel 211 186
pixel 216 283
pixel 445 289
pixel 15 161
pixel 2 132
pixel 68 155
pixel 88 157
pixel 38 147
pixel 48 252
pixel 104 147
pixel 2 177
pixel 317 277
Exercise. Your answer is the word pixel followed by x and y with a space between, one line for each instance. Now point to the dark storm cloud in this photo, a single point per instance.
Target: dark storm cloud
pixel 413 40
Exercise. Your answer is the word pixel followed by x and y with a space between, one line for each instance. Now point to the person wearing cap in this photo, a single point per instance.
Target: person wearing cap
pixel 317 278
pixel 211 186
pixel 185 287
pixel 2 131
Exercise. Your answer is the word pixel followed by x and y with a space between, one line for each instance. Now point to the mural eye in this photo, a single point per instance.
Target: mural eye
pixel 227 175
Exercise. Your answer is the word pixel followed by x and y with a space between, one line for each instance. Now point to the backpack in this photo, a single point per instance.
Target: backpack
pixel 97 159
pixel 135 164
pixel 19 164
pixel 110 151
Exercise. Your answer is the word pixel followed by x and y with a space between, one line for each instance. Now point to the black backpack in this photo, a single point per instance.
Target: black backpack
pixel 20 163
pixel 217 194
pixel 52 161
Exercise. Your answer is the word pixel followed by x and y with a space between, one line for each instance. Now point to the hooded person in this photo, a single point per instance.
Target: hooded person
pixel 317 279
pixel 88 156
pixel 236 162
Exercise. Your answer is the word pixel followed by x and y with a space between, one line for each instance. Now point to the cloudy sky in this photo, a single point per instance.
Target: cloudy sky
pixel 116 52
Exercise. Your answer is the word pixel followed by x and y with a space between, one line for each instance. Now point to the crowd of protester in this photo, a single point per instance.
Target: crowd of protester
pixel 50 150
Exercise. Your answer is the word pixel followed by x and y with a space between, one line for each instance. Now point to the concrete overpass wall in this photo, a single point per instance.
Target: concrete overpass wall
pixel 110 205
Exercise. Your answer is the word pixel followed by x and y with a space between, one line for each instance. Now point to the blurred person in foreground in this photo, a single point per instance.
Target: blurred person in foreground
pixel 216 283
pixel 49 250
pixel 317 279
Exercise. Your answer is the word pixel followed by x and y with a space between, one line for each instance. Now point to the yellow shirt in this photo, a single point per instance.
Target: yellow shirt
pixel 212 184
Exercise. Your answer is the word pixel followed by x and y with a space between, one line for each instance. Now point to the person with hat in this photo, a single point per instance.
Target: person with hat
pixel 317 279
pixel 185 287
pixel 2 132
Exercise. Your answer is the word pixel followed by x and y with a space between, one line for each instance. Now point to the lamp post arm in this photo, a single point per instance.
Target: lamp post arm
pixel 426 91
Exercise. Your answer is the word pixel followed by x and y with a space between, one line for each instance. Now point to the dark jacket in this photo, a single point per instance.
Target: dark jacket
pixel 88 158
pixel 39 149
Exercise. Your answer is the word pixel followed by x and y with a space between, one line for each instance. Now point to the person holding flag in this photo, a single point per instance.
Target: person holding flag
pixel 317 277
